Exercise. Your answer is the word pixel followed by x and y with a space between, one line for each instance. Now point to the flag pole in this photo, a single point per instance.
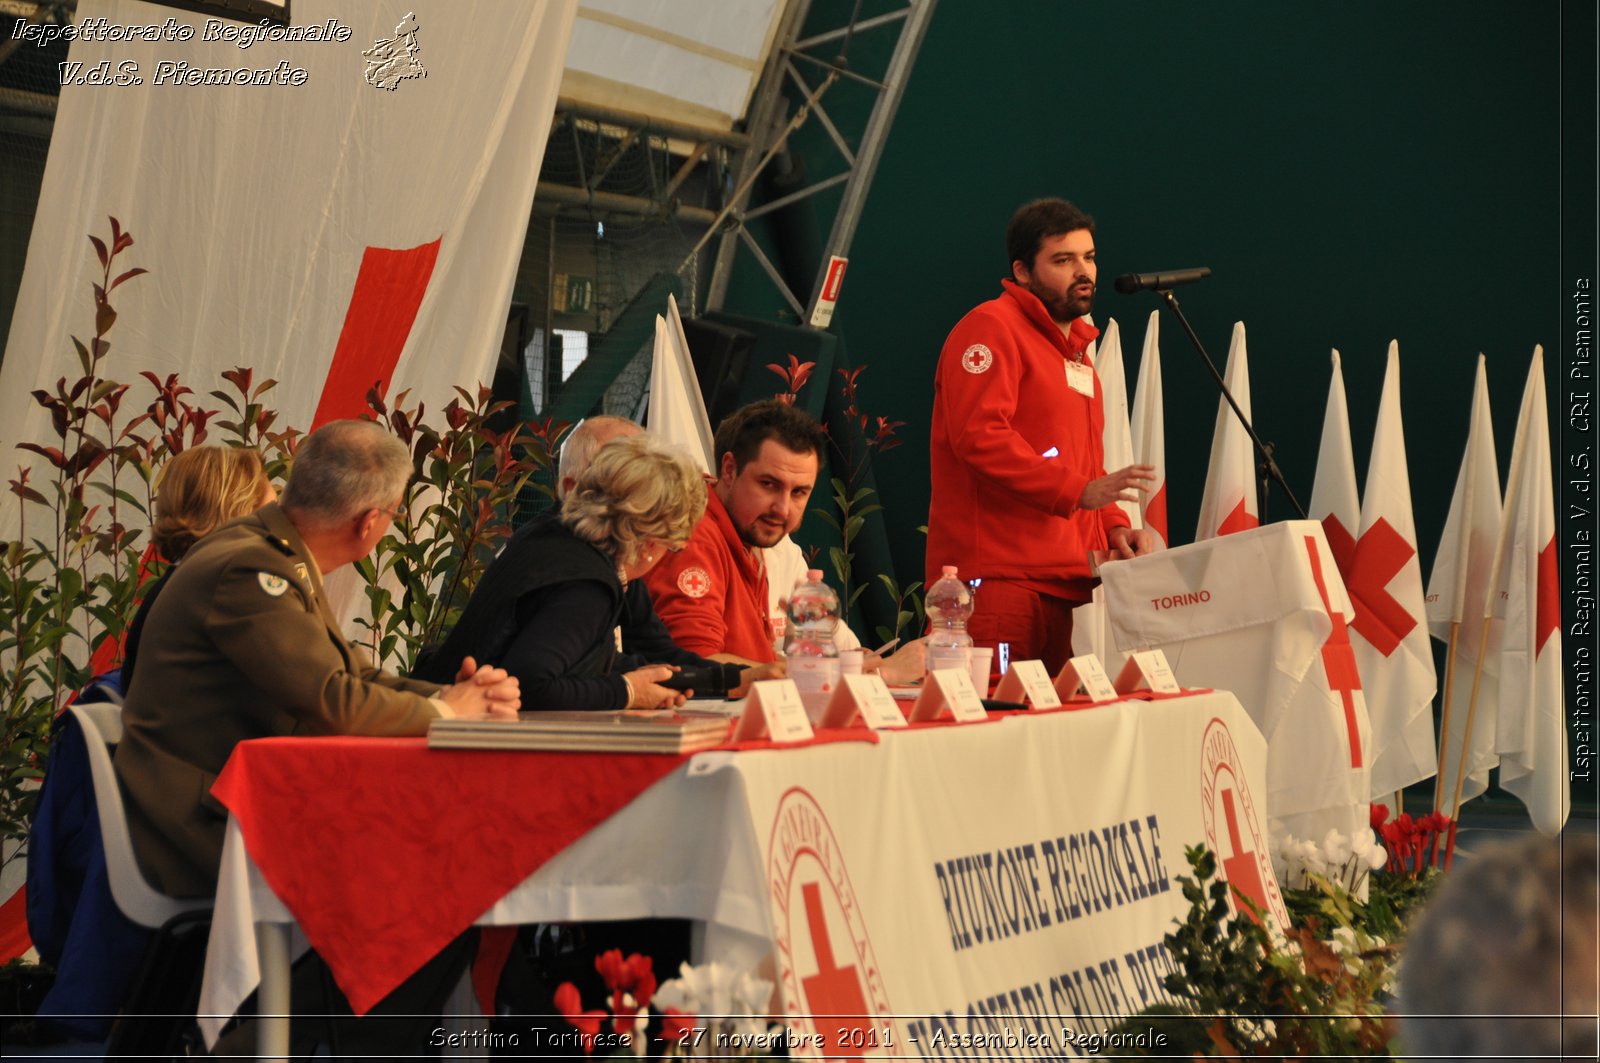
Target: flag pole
pixel 1444 715
pixel 1466 740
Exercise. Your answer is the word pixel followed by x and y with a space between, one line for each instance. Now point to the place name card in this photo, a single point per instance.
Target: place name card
pixel 863 698
pixel 948 691
pixel 1087 674
pixel 1028 681
pixel 1147 668
pixel 774 710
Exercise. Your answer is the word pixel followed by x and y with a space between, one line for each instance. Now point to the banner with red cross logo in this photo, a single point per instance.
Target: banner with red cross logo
pixel 918 910
pixel 356 226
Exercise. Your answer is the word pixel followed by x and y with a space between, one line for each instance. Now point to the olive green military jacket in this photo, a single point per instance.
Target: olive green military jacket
pixel 239 645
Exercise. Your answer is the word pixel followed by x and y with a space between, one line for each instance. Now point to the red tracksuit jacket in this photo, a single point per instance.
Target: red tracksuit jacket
pixel 713 594
pixel 1013 446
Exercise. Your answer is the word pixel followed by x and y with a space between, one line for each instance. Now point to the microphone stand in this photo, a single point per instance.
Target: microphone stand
pixel 1269 467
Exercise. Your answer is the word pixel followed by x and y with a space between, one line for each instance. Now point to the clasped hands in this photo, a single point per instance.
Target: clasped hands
pixel 483 692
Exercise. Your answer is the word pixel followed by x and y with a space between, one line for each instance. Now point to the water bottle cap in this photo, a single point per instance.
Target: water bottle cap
pixel 813 575
pixel 949 570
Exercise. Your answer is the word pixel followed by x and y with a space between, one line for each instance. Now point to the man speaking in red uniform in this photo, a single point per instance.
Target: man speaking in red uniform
pixel 1020 491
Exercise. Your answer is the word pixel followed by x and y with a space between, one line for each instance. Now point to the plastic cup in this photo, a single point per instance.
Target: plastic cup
pixel 982 656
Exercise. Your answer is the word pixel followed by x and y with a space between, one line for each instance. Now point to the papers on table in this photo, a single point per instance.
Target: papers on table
pixel 666 731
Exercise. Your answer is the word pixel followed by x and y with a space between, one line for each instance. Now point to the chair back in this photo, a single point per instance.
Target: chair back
pixel 139 901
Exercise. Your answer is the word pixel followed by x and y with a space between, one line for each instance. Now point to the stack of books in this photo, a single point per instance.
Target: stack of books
pixel 630 731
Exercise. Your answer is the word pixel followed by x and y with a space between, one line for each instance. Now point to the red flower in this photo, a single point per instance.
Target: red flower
pixel 634 975
pixel 587 1023
pixel 1379 816
pixel 677 1026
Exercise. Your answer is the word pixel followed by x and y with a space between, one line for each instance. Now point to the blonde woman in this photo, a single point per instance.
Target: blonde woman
pixel 200 490
pixel 548 607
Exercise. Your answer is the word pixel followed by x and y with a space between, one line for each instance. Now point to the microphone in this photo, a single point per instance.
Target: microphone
pixel 1129 283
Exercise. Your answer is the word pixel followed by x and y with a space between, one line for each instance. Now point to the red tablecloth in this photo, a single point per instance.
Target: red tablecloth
pixel 384 850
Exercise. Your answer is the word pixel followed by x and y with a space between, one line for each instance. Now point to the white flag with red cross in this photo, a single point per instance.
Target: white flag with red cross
pixel 1458 590
pixel 1116 436
pixel 1149 432
pixel 357 226
pixel 1089 631
pixel 1384 580
pixel 1525 591
pixel 1229 502
pixel 1335 499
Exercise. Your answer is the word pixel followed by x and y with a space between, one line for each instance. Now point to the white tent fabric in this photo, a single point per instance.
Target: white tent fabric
pixel 681 60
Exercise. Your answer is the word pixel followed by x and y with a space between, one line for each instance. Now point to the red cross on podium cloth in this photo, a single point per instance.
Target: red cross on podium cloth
pixel 1338 659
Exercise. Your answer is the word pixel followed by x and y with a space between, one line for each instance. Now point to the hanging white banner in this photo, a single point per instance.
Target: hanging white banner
pixel 337 205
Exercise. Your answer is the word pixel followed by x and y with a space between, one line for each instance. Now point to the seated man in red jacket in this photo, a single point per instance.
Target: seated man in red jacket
pixel 713 595
pixel 1020 491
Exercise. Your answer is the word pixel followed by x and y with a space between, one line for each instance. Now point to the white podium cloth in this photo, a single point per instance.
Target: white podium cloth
pixel 1263 613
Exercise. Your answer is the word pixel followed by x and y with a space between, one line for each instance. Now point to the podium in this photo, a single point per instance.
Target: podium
pixel 1263 614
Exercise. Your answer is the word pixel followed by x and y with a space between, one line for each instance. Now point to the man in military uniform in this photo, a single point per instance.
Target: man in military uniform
pixel 241 645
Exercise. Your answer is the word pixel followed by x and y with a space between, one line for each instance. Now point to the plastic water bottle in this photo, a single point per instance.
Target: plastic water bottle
pixel 813 659
pixel 949 603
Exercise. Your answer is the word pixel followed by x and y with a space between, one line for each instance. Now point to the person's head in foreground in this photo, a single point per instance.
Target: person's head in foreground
pixel 1503 952
pixel 637 500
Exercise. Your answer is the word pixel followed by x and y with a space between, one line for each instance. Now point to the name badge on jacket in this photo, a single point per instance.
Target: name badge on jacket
pixel 1080 378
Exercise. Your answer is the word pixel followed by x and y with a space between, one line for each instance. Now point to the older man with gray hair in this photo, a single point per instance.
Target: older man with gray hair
pixel 242 645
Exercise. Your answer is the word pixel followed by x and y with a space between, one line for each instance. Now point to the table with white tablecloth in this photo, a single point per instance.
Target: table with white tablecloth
pixel 925 881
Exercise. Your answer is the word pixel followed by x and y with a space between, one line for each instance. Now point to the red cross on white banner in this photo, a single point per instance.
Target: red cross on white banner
pixel 383 306
pixel 1338 659
pixel 1242 870
pixel 834 991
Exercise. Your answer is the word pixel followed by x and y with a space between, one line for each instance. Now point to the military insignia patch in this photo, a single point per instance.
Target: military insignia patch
pixel 273 585
pixel 977 359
